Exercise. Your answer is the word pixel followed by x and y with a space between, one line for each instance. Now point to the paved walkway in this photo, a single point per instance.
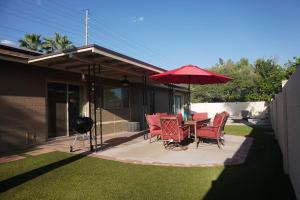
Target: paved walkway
pixel 132 148
pixel 6 159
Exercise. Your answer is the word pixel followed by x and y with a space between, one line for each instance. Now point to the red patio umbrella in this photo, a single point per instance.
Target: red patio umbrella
pixel 190 74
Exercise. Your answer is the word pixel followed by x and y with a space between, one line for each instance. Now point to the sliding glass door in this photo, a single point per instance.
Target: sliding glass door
pixel 64 106
pixel 73 106
pixel 57 110
pixel 178 104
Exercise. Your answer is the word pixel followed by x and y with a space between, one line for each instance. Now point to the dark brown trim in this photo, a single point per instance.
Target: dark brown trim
pixel 20 50
pixel 101 49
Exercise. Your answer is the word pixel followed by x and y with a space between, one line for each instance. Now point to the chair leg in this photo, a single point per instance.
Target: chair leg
pixel 222 141
pixel 165 144
pixel 218 143
pixel 150 139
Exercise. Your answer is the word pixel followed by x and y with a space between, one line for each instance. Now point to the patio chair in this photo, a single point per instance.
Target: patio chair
pixel 154 126
pixel 173 130
pixel 213 131
pixel 226 116
pixel 199 116
pixel 179 116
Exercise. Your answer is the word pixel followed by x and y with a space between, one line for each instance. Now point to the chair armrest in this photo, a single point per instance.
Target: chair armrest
pixel 209 127
pixel 203 122
pixel 201 125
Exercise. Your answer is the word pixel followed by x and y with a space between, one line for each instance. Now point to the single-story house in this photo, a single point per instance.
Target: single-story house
pixel 42 94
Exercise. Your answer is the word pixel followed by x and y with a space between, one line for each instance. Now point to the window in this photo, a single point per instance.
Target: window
pixel 115 97
pixel 177 104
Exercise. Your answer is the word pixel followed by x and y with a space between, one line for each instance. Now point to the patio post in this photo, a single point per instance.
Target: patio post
pixel 189 100
pixel 89 99
pixel 100 108
pixel 173 104
pixel 94 102
pixel 144 102
pixel 171 98
pixel 169 88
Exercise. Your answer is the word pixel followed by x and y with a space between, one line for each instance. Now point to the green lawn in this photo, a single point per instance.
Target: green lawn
pixel 59 175
pixel 238 130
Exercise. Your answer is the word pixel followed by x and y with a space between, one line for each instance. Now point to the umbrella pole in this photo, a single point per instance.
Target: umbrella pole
pixel 189 104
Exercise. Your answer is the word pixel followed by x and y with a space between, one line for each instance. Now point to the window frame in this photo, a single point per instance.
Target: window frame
pixel 122 104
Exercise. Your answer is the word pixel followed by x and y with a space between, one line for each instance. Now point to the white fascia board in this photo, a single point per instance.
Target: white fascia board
pixel 59 55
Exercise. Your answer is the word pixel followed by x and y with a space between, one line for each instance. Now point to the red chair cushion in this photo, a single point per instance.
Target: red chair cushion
pixel 155 132
pixel 153 122
pixel 199 116
pixel 207 132
pixel 180 119
pixel 217 119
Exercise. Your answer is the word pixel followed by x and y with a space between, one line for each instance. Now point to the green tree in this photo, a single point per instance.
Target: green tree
pixel 257 82
pixel 271 76
pixel 31 41
pixel 291 66
pixel 237 90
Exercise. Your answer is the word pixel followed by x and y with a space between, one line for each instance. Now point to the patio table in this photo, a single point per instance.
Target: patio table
pixel 195 123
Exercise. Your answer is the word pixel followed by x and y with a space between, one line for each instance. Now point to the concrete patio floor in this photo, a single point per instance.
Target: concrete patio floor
pixel 132 148
pixel 140 151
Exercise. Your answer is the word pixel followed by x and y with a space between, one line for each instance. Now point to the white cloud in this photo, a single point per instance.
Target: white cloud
pixel 137 19
pixel 7 42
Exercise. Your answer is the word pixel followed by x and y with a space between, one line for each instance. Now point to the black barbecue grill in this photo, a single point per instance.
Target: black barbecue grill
pixel 82 125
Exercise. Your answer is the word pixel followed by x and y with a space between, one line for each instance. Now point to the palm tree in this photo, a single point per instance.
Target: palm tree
pixel 62 42
pixel 57 43
pixel 49 45
pixel 31 41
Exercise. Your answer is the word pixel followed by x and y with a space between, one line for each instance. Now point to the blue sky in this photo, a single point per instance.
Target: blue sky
pixel 165 33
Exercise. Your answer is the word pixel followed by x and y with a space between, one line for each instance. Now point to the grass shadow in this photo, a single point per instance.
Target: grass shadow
pixel 262 173
pixel 27 176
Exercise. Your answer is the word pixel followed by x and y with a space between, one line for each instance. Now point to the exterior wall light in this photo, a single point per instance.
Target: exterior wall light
pixel 125 82
pixel 83 77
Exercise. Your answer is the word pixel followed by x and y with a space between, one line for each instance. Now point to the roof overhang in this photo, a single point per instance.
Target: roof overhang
pixel 14 54
pixel 109 64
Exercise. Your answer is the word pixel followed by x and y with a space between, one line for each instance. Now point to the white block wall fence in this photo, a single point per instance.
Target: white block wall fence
pixel 285 119
pixel 235 109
